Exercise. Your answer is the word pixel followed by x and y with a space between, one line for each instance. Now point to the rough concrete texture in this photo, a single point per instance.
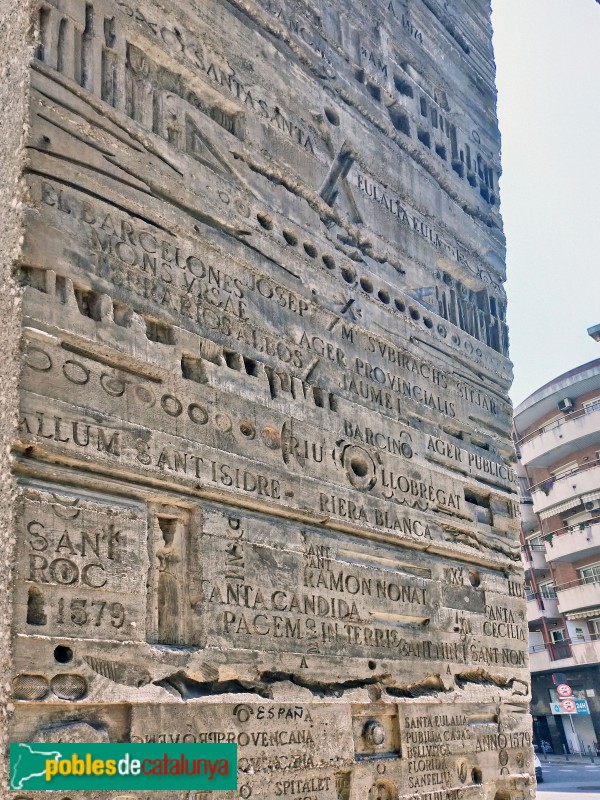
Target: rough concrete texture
pixel 264 457
pixel 16 37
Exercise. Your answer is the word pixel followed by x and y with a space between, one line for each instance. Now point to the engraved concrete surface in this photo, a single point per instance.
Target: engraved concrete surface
pixel 265 472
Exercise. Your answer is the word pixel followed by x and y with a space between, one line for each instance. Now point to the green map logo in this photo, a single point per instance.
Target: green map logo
pixel 153 767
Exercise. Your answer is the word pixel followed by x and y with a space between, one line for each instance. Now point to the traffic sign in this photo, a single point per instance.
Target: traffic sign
pixel 568 706
pixel 564 690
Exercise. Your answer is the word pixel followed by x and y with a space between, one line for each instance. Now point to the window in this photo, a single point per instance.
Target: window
pixel 592 405
pixel 590 574
pixel 594 627
pixel 536 542
pixel 559 635
pixel 547 589
pixel 529 595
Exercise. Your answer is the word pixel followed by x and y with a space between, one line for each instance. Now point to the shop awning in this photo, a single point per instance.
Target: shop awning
pixel 550 512
pixel 594 612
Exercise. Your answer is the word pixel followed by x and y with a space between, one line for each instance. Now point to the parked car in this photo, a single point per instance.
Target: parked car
pixel 539 776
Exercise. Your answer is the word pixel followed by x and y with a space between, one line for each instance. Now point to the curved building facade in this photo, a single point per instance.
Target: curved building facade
pixel 557 430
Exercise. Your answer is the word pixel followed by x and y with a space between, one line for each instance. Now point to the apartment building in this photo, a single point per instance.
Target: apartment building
pixel 557 430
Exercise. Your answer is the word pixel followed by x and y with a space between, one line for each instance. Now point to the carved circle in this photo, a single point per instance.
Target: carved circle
pixel 271 438
pixel 243 712
pixel 414 313
pixel 374 732
pixel 399 305
pixel 247 429
pixel 329 261
pixel 75 372
pixel 384 296
pixel 332 116
pixel 372 664
pixel 265 221
pixel 171 405
pixel 310 250
pixel 348 273
pixel 224 197
pixel 443 332
pixel 427 322
pixel 290 238
pixel 64 509
pixel 112 385
pixel 245 791
pixel 366 285
pixel 198 414
pixel 476 775
pixel 468 347
pixel 455 339
pixel 38 359
pixel 359 467
pixel 462 768
pixel 241 207
pixel 223 422
pixel 144 395
pixel 503 758
pixel 30 687
pixel 63 654
pixel 69 687
pixel 478 352
pixel 406 450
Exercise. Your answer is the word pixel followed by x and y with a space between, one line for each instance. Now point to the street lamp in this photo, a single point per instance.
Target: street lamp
pixel 594 331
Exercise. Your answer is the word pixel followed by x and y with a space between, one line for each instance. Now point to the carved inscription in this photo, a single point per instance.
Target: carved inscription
pixel 80 568
pixel 265 474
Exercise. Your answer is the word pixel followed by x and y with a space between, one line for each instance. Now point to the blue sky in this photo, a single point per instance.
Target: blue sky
pixel 548 74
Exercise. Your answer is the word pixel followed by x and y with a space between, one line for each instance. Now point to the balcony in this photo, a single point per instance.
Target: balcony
pixel 540 607
pixel 534 558
pixel 544 657
pixel 577 595
pixel 549 445
pixel 574 544
pixel 560 655
pixel 555 495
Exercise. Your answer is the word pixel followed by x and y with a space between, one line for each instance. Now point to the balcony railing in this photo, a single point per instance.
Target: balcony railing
pixel 557 651
pixel 557 424
pixel 546 485
pixel 581 526
pixel 563 492
pixel 583 650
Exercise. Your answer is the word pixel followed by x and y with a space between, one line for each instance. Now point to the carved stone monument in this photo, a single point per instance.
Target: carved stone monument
pixel 262 487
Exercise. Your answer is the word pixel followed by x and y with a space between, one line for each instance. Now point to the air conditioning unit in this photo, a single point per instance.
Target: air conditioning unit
pixel 592 505
pixel 566 404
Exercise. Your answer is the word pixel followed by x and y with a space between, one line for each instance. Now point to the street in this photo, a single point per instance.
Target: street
pixel 569 781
